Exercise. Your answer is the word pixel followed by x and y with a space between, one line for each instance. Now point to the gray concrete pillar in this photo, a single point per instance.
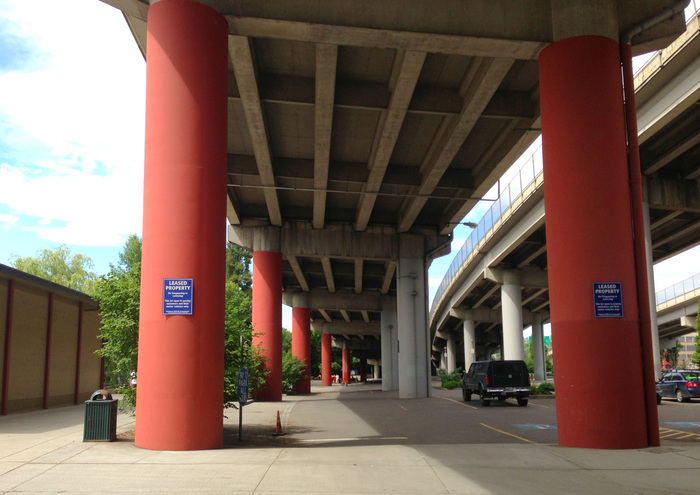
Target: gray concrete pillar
pixel 512 316
pixel 652 294
pixel 388 322
pixel 538 350
pixel 451 353
pixel 469 343
pixel 414 368
pixel 395 356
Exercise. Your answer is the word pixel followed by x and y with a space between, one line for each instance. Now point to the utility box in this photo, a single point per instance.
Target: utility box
pixel 100 417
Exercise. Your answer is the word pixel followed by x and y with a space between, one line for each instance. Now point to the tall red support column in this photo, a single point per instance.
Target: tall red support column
pixel 326 360
pixel 267 319
pixel 346 365
pixel 589 240
pixel 180 367
pixel 301 345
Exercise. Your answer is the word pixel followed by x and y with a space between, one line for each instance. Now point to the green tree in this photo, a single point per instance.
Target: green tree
pixel 239 350
pixel 59 265
pixel 118 293
pixel 238 266
pixel 695 358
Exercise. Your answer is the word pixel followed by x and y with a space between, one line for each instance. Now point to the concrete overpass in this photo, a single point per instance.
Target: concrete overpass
pixel 467 313
pixel 356 136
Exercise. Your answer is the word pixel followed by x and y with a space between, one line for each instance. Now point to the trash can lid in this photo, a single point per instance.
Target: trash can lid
pixel 101 394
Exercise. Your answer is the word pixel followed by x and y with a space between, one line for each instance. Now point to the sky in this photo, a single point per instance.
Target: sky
pixel 72 99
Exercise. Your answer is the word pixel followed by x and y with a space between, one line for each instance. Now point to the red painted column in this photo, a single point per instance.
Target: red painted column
pixel 180 366
pixel 267 319
pixel 346 365
pixel 589 239
pixel 326 360
pixel 301 345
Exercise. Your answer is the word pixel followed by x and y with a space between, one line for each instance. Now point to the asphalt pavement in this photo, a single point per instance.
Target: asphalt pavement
pixel 352 439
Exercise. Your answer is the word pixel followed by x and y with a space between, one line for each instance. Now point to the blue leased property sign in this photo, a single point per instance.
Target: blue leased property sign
pixel 607 300
pixel 177 296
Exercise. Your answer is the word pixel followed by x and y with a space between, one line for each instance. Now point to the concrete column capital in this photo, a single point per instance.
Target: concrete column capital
pixel 584 17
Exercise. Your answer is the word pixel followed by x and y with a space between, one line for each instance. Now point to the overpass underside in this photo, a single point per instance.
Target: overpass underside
pixel 344 140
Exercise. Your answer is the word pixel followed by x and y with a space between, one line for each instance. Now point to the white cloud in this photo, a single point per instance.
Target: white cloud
pixel 76 119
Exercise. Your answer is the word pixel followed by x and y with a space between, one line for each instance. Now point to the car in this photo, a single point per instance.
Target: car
pixel 497 380
pixel 679 384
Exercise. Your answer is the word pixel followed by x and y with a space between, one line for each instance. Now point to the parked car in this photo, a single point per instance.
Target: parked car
pixel 497 380
pixel 679 384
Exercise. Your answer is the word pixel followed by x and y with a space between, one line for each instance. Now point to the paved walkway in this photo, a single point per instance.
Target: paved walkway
pixel 328 448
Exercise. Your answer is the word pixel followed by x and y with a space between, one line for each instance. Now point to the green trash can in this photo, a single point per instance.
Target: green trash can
pixel 100 417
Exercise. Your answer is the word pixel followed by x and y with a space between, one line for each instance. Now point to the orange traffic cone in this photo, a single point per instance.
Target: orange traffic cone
pixel 278 428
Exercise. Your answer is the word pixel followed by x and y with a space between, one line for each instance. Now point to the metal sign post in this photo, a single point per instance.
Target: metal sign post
pixel 242 397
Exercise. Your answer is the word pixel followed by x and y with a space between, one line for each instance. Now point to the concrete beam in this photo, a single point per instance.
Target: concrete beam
pixel 328 273
pixel 358 275
pixel 530 277
pixel 405 73
pixel 296 268
pixel 344 328
pixel 388 276
pixel 478 87
pixel 344 300
pixel 326 62
pixel 241 55
pixel 671 194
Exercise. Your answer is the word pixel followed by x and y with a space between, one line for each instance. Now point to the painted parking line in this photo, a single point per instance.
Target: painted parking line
pixel 669 434
pixel 458 402
pixel 684 424
pixel 536 427
pixel 506 433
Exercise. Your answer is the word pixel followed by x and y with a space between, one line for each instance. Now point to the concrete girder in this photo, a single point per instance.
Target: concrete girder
pixel 530 277
pixel 475 27
pixel 296 268
pixel 344 328
pixel 358 275
pixel 491 316
pixel 241 55
pixel 388 276
pixel 326 62
pixel 478 87
pixel 368 96
pixel 328 273
pixel 670 194
pixel 344 300
pixel 407 67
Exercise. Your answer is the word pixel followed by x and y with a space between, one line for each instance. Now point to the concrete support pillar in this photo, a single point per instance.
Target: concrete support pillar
pixel 512 316
pixel 395 358
pixel 451 353
pixel 656 353
pixel 538 350
pixel 414 368
pixel 301 340
pixel 267 319
pixel 388 323
pixel 347 361
pixel 363 370
pixel 375 369
pixel 589 237
pixel 185 156
pixel 326 360
pixel 469 343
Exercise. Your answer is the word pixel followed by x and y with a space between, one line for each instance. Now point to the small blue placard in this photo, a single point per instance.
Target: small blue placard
pixel 243 386
pixel 607 300
pixel 177 296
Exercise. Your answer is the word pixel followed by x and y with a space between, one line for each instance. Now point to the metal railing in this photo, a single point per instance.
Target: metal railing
pixel 527 175
pixel 677 290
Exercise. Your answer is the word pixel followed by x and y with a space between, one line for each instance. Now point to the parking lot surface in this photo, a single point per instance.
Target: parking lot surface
pixel 352 439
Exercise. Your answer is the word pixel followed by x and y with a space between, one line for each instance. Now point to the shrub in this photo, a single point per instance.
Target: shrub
pixel 293 369
pixel 450 380
pixel 544 388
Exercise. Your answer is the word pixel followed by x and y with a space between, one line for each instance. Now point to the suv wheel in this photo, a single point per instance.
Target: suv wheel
pixel 679 396
pixel 522 401
pixel 484 400
pixel 466 394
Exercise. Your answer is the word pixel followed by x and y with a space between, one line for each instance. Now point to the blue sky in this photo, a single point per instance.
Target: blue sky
pixel 72 95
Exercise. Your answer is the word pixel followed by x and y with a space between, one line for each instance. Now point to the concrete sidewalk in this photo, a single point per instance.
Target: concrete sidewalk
pixel 43 452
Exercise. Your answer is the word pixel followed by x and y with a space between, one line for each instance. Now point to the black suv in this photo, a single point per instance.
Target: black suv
pixel 497 380
pixel 679 384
